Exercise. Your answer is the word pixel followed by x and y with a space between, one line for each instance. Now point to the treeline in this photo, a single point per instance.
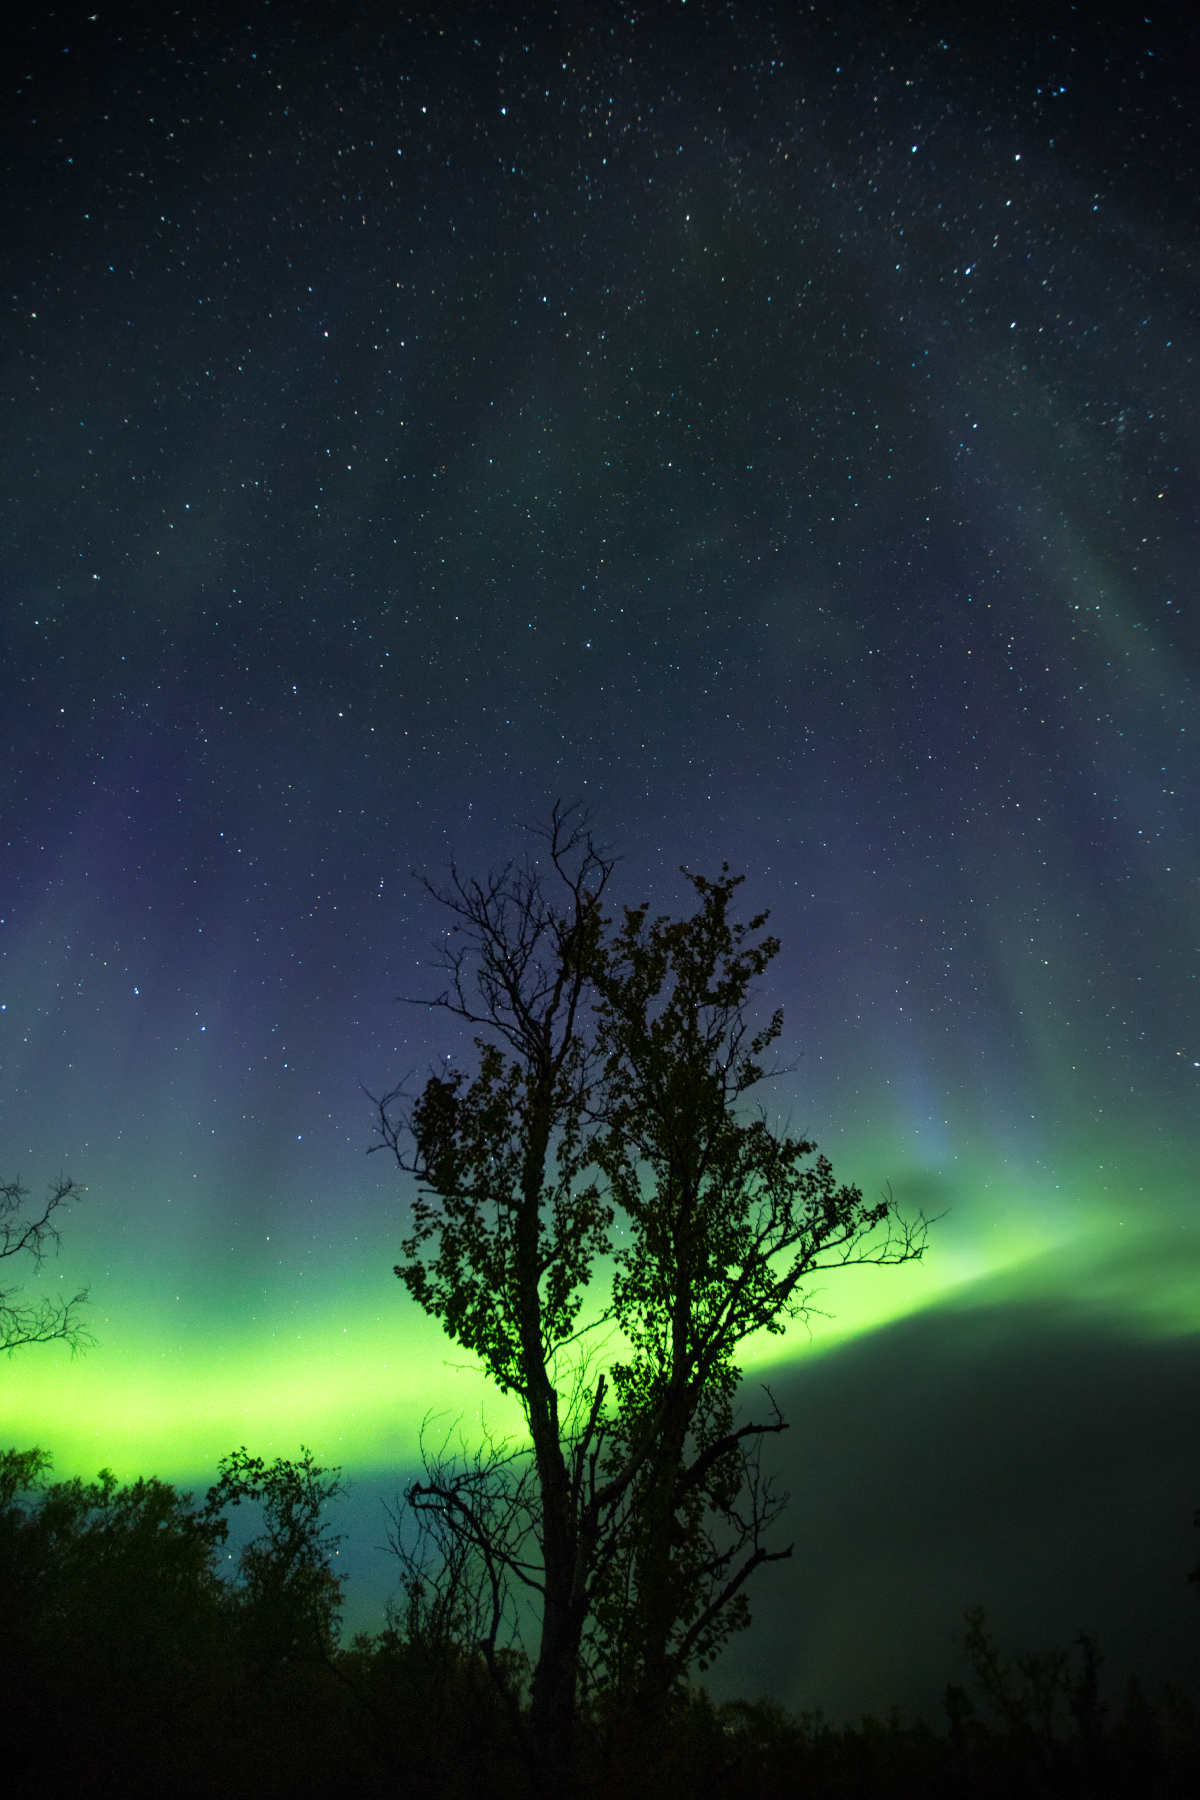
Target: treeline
pixel 603 1221
pixel 141 1656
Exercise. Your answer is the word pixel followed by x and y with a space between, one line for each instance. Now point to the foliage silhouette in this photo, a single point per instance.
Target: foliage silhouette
pixel 728 1219
pixel 288 1597
pixel 1045 1727
pixel 112 1605
pixel 611 1069
pixel 125 1666
pixel 128 1646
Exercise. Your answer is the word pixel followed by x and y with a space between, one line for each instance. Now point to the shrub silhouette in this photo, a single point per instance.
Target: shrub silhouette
pixel 132 1661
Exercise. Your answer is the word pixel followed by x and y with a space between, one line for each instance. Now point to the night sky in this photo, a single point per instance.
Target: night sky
pixel 774 426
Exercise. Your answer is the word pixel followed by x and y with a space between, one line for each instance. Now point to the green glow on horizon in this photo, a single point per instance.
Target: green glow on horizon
pixel 354 1380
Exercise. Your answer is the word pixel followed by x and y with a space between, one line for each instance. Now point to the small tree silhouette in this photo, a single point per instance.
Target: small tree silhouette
pixel 45 1321
pixel 288 1595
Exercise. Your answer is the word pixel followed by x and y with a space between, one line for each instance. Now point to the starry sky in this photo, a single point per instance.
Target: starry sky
pixel 772 425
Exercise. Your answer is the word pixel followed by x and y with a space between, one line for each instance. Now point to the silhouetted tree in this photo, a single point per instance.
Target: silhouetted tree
pixel 727 1221
pixel 288 1596
pixel 513 1226
pixel 610 1070
pixel 32 1235
pixel 132 1650
pixel 1036 1697
pixel 113 1621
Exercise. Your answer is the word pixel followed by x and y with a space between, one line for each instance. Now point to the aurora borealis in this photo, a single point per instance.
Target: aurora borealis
pixel 776 427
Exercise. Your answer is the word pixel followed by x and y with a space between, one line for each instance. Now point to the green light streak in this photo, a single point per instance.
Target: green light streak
pixel 356 1374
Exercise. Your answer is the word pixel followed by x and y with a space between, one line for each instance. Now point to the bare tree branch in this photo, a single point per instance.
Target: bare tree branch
pixel 36 1236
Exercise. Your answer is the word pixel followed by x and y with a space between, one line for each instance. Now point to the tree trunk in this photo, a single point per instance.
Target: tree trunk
pixel 556 1673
